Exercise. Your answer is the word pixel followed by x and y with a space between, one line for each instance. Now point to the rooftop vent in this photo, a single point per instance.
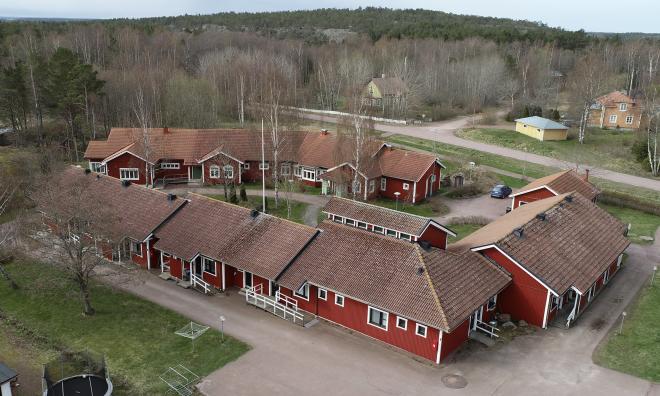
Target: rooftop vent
pixel 568 198
pixel 87 171
pixel 254 213
pixel 125 183
pixel 420 271
pixel 541 216
pixel 425 245
pixel 171 197
pixel 518 232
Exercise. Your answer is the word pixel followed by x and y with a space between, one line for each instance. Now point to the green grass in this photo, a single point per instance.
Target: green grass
pixel 636 350
pixel 136 336
pixel 463 230
pixel 513 182
pixel 643 224
pixel 609 149
pixel 297 208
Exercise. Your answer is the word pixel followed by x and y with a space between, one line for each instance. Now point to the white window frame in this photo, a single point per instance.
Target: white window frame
pixel 296 170
pixel 382 230
pixel 170 165
pixel 357 187
pixel 133 249
pixel 590 294
pixel 418 327
pixel 246 166
pixel 205 260
pixel 264 165
pixel 406 237
pixel 406 186
pixel 405 323
pixel 97 167
pixel 606 276
pixel 350 222
pixel 383 184
pixel 323 294
pixel 361 224
pixel 613 118
pixel 629 119
pixel 286 169
pixel 214 172
pixel 338 298
pixel 390 232
pixel 554 302
pixel 385 316
pixel 228 171
pixel 305 174
pixel 338 219
pixel 131 170
pixel 305 293
pixel 623 106
pixel 372 186
pixel 492 300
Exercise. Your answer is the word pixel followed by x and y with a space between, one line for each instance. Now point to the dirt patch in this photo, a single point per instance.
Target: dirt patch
pixel 597 324
pixel 454 381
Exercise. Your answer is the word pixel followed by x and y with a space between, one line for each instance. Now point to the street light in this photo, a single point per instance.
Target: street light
pixel 623 317
pixel 222 327
pixel 396 205
pixel 655 269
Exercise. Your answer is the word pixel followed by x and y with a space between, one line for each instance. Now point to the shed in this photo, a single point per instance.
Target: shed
pixel 541 128
pixel 7 375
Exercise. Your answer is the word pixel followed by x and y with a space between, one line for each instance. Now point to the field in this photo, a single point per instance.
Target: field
pixel 136 336
pixel 297 208
pixel 609 149
pixel 643 224
pixel 636 350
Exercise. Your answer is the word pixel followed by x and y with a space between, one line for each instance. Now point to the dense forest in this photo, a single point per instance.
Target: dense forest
pixel 67 82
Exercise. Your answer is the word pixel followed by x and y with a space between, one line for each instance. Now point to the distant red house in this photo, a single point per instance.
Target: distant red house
pixel 559 183
pixel 218 156
pixel 560 252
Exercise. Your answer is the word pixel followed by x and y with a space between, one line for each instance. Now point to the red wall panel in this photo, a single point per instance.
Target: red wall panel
pixel 435 237
pixel 127 161
pixel 141 261
pixel 451 341
pixel 215 280
pixel 207 171
pixel 532 196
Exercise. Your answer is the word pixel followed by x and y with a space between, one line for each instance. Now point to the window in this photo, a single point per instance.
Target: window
pixel 406 186
pixel 379 230
pixel 420 330
pixel 372 185
pixel 357 187
pixel 606 276
pixel 554 302
pixel 323 294
pixel 286 169
pixel 129 174
pixel 383 184
pixel 296 170
pixel 623 106
pixel 303 291
pixel 264 165
pixel 309 174
pixel 339 300
pixel 97 167
pixel 214 172
pixel 377 318
pixel 169 165
pixel 229 171
pixel 350 222
pixel 629 120
pixel 338 219
pixel 492 303
pixel 209 265
pixel 361 224
pixel 613 118
pixel 136 248
pixel 407 237
pixel 391 233
pixel 590 294
pixel 401 323
pixel 246 165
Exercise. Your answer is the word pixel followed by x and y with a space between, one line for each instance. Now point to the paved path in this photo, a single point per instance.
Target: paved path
pixel 443 131
pixel 324 359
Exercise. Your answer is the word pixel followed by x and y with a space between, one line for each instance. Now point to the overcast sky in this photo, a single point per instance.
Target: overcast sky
pixel 590 15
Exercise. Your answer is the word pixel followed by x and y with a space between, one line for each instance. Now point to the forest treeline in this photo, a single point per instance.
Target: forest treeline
pixel 69 82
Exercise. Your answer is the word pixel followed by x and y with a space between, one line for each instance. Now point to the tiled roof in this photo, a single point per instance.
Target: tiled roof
pixel 139 210
pixel 262 244
pixel 540 122
pixel 614 98
pixel 6 374
pixel 404 164
pixel 373 214
pixel 564 182
pixel 571 246
pixel 431 287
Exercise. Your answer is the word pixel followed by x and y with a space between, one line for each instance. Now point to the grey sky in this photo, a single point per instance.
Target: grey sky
pixel 591 15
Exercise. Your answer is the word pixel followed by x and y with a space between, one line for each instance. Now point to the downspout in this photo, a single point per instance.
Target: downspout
pixel 414 191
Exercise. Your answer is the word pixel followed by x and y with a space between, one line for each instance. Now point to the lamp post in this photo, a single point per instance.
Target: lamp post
pixel 623 317
pixel 222 327
pixel 655 269
pixel 396 205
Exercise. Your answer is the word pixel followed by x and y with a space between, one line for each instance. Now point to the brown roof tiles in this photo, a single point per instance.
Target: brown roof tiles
pixel 564 182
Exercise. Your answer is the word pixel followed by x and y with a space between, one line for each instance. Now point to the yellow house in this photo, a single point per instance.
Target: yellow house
pixel 541 128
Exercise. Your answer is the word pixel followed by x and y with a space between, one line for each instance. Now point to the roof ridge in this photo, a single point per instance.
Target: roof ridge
pixel 384 208
pixel 114 179
pixel 362 231
pixel 436 298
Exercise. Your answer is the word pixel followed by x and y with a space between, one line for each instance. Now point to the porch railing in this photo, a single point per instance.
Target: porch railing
pixel 254 297
pixel 286 300
pixel 487 328
pixel 198 281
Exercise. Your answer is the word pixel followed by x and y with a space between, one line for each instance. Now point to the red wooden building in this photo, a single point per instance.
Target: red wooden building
pixel 560 252
pixel 550 186
pixel 413 296
pixel 218 156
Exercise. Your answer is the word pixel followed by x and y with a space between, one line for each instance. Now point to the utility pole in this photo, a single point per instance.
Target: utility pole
pixel 263 170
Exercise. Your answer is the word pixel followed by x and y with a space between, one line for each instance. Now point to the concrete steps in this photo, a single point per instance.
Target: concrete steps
pixel 482 338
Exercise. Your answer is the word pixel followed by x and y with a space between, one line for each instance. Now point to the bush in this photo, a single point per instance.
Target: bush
pixel 243 193
pixel 468 220
pixel 467 190
pixel 623 200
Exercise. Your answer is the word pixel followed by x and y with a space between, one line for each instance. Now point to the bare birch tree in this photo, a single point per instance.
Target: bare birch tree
pixel 651 107
pixel 587 82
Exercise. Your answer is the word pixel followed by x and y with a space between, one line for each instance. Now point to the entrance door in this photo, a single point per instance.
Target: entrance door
pixel 247 279
pixel 274 287
pixel 198 267
pixel 196 172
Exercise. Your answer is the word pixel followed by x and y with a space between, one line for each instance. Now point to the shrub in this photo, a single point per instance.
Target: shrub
pixel 467 190
pixel 243 193
pixel 623 200
pixel 468 220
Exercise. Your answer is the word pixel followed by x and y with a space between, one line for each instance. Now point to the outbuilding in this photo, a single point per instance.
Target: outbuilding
pixel 7 376
pixel 541 128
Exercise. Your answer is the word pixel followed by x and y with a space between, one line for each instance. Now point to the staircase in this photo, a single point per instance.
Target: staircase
pixel 201 285
pixel 484 333
pixel 482 338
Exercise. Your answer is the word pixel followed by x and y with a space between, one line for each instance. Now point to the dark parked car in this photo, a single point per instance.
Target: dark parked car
pixel 500 191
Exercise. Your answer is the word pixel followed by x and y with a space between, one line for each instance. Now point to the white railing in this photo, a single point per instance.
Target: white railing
pixel 288 301
pixel 253 296
pixel 198 281
pixel 488 329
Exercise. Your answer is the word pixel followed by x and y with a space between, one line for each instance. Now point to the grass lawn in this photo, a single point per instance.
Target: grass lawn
pixel 609 149
pixel 297 208
pixel 643 224
pixel 462 230
pixel 636 350
pixel 136 336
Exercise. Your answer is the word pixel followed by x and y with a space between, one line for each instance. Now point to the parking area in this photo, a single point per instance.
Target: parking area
pixel 326 359
pixel 481 206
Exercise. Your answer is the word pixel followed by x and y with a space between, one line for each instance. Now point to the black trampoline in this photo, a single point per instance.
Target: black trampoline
pixel 81 385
